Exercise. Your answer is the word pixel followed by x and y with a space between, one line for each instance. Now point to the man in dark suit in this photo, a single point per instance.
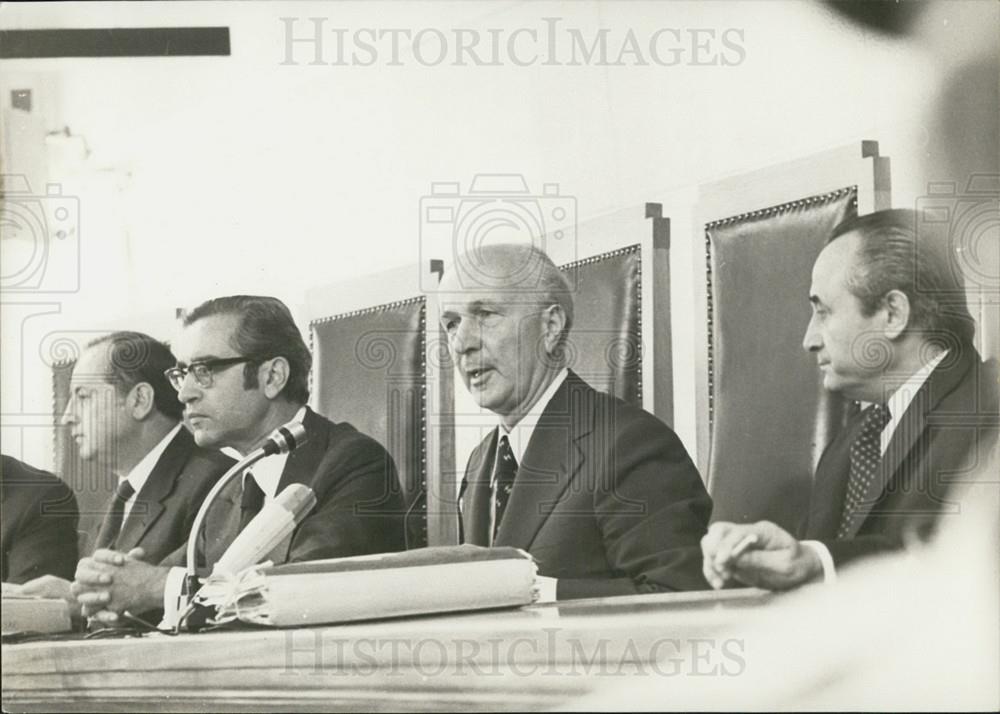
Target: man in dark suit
pixel 602 494
pixel 37 524
pixel 891 328
pixel 124 414
pixel 242 371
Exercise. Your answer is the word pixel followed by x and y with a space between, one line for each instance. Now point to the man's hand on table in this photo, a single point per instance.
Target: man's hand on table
pixel 758 554
pixel 110 582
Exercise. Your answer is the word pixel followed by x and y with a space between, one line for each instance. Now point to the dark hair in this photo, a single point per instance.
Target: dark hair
pixel 265 330
pixel 134 358
pixel 892 256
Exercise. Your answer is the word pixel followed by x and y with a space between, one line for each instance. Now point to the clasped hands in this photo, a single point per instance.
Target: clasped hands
pixel 105 585
pixel 757 554
pixel 109 582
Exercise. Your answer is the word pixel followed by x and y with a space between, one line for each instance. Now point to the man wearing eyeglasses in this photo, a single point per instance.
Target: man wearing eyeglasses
pixel 124 414
pixel 242 371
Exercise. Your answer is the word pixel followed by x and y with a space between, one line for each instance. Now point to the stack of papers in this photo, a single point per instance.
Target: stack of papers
pixel 26 613
pixel 421 581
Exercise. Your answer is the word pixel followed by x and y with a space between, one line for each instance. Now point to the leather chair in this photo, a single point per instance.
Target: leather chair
pixel 770 417
pixel 368 370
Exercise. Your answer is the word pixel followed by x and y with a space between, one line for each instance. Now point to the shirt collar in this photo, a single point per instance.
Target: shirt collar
pixel 267 472
pixel 899 401
pixel 520 434
pixel 139 474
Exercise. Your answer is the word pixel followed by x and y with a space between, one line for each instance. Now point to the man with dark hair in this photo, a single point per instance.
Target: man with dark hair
pixel 37 524
pixel 891 329
pixel 601 493
pixel 359 507
pixel 124 414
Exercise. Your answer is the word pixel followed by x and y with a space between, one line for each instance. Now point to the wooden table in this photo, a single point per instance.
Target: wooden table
pixel 534 657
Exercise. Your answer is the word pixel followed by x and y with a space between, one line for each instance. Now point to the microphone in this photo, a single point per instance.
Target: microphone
pixel 268 528
pixel 282 440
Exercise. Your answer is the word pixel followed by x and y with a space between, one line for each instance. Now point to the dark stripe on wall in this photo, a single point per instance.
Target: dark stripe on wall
pixel 115 42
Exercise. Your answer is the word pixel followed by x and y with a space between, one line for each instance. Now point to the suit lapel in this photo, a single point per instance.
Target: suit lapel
pixel 830 484
pixel 302 466
pixel 222 522
pixel 551 460
pixel 475 494
pixel 148 505
pixel 945 377
pixel 103 539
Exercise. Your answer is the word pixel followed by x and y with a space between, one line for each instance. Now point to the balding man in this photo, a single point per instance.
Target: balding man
pixel 601 493
pixel 124 415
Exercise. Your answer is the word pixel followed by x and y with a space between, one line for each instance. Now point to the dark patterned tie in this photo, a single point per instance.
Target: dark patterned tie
pixel 116 513
pixel 252 500
pixel 506 472
pixel 866 455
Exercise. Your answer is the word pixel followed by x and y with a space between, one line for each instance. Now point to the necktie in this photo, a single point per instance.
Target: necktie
pixel 252 500
pixel 116 512
pixel 866 455
pixel 506 472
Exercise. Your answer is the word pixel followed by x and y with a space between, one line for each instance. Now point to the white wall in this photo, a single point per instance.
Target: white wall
pixel 242 174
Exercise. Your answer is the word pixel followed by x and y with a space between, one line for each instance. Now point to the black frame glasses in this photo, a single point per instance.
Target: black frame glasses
pixel 203 370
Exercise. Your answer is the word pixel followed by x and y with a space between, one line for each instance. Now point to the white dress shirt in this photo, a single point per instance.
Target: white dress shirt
pixel 139 474
pixel 518 437
pixel 899 401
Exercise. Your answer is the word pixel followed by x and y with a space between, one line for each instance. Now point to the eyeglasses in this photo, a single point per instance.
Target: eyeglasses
pixel 203 371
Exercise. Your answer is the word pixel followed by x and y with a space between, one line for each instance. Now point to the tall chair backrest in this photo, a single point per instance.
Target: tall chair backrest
pixel 770 417
pixel 369 371
pixel 764 418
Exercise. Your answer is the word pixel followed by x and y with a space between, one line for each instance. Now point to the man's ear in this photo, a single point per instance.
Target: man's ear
pixel 553 323
pixel 140 401
pixel 897 308
pixel 276 376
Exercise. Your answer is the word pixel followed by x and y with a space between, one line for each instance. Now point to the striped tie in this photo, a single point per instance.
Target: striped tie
pixel 506 472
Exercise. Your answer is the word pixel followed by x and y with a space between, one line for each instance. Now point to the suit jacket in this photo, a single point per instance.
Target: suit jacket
pixel 942 439
pixel 37 524
pixel 359 506
pixel 164 509
pixel 606 498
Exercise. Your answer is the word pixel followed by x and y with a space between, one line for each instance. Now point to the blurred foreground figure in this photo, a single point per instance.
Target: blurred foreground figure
pixel 909 631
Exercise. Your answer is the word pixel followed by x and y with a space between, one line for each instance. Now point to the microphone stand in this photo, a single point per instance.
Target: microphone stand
pixel 191 577
pixel 282 440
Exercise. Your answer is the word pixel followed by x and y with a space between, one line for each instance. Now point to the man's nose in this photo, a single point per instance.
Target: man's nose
pixel 466 337
pixel 811 341
pixel 68 417
pixel 189 391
